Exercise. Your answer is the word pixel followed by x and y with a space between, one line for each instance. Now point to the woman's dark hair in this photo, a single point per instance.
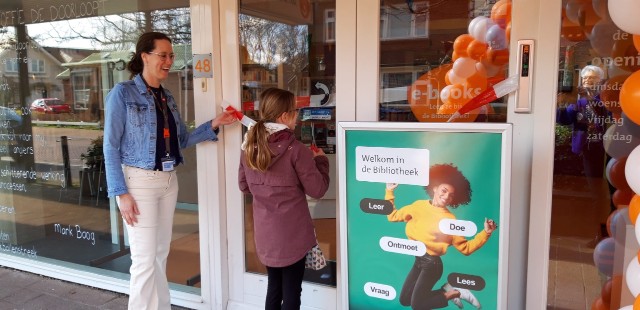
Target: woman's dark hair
pixel 449 174
pixel 146 43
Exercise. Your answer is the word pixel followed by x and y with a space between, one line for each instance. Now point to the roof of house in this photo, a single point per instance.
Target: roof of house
pixel 183 58
pixel 65 55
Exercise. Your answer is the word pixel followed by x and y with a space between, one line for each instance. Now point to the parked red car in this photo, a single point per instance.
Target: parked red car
pixel 50 105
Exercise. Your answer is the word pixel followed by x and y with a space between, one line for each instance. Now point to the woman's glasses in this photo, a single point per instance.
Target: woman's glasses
pixel 164 56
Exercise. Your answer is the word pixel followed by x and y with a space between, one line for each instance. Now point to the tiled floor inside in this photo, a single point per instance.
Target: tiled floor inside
pixel 578 225
pixel 574 281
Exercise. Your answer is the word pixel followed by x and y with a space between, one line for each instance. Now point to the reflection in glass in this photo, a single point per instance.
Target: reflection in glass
pixel 55 73
pixel 592 240
pixel 293 47
pixel 435 57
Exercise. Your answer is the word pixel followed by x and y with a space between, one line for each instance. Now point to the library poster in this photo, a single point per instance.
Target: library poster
pixel 423 216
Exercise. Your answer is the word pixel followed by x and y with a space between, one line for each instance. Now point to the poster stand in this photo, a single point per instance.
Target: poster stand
pixel 397 221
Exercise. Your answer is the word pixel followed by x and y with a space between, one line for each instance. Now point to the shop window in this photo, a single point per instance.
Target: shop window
pixel 330 25
pixel 81 90
pixel 59 69
pixel 36 66
pixel 11 66
pixel 404 20
pixel 427 39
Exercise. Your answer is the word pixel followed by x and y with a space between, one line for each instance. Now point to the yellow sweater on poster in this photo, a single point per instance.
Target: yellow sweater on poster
pixel 422 220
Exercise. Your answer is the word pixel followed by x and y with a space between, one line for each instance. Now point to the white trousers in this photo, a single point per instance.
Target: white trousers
pixel 156 194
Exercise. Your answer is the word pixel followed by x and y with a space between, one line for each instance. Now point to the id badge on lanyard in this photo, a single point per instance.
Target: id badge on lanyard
pixel 168 163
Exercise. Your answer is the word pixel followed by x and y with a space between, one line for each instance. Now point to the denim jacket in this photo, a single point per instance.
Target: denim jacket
pixel 130 131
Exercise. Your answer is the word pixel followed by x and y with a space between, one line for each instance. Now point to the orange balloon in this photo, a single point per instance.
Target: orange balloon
pixel 622 197
pixel 610 93
pixel 605 292
pixel 500 13
pixel 446 78
pixel 636 303
pixel 598 304
pixel 616 287
pixel 634 208
pixel 455 55
pixel 497 57
pixel 625 53
pixel 476 49
pixel 424 94
pixel 459 94
pixel 461 43
pixel 617 177
pixel 630 97
pixel 636 41
pixel 476 83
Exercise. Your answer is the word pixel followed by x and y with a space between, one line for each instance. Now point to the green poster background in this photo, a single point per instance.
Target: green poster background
pixel 478 156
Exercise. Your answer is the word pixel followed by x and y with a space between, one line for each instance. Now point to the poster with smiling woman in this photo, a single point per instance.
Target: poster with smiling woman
pixel 423 215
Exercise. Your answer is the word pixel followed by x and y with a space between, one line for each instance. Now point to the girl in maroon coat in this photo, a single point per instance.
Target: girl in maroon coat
pixel 279 171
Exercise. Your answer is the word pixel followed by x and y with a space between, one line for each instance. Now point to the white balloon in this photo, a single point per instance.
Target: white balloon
pixel 632 170
pixel 464 67
pixel 472 24
pixel 479 30
pixel 629 307
pixel 454 79
pixel 633 277
pixel 445 93
pixel 624 14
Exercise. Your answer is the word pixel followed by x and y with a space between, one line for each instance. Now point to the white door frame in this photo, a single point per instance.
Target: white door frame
pixel 540 21
pixel 248 290
pixel 205 30
pixel 528 252
pixel 358 47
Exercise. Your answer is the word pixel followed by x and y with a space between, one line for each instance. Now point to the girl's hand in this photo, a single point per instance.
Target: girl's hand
pixel 128 208
pixel 317 152
pixel 489 226
pixel 392 186
pixel 224 118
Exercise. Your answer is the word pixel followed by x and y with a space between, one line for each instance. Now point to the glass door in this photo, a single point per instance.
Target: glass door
pixel 289 45
pixel 295 52
pixel 592 240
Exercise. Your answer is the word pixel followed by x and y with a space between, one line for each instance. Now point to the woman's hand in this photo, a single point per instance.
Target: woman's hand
pixel 128 208
pixel 392 186
pixel 489 226
pixel 224 118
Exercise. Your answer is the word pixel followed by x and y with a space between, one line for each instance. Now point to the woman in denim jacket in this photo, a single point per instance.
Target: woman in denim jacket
pixel 143 136
pixel 279 171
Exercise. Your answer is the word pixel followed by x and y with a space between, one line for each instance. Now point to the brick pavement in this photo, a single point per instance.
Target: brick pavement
pixel 21 290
